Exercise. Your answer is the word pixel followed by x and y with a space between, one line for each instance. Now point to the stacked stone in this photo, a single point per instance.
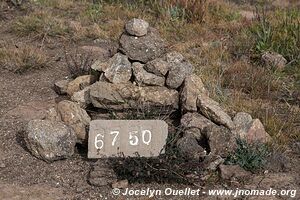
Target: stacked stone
pixel 143 72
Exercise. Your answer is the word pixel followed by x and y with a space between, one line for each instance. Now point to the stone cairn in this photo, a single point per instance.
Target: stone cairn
pixel 142 72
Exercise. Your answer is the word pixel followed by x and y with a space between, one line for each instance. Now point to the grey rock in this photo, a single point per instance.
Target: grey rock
pixel 158 66
pixel 114 96
pixel 122 96
pixel 195 121
pixel 160 97
pixel 53 115
pixel 49 140
pixel 212 162
pixel 137 27
pixel 273 59
pixel 242 121
pixel 228 172
pixel 80 83
pixel 143 49
pixel 195 133
pixel 99 66
pixel 60 87
pixel 174 57
pixel 250 130
pixel 192 87
pixel 256 133
pixel 211 109
pixel 177 73
pixel 119 69
pixel 142 77
pixel 75 117
pixel 82 97
pixel 221 140
pixel 189 148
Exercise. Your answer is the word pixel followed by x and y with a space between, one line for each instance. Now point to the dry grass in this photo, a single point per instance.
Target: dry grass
pixel 22 59
pixel 57 4
pixel 40 25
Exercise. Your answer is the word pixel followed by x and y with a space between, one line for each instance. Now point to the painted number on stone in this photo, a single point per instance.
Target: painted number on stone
pixel 134 138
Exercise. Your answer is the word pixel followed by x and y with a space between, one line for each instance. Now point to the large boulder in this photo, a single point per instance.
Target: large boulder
pixel 161 97
pixel 122 96
pixel 142 77
pixel 118 69
pixel 114 96
pixel 249 129
pixel 192 87
pixel 49 140
pixel 212 110
pixel 80 83
pixel 143 49
pixel 76 117
pixel 137 27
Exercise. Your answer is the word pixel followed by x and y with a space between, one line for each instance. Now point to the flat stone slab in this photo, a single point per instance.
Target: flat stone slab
pixel 115 138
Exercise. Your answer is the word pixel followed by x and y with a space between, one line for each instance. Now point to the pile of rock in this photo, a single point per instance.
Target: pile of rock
pixel 142 72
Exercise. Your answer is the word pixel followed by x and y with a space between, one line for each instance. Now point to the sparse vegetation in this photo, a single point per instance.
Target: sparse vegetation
pixel 251 157
pixel 22 59
pixel 39 25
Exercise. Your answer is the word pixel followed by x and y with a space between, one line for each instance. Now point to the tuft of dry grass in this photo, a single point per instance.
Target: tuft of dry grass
pixel 39 24
pixel 22 59
pixel 57 4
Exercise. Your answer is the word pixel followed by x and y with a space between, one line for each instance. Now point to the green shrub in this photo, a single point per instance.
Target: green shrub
pixel 251 157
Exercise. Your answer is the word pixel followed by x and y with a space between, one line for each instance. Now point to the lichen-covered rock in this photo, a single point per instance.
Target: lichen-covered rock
pixel 192 87
pixel 159 67
pixel 142 77
pixel 118 69
pixel 174 57
pixel 195 123
pixel 137 27
pixel 177 73
pixel 49 140
pixel 114 96
pixel 211 109
pixel 143 49
pixel 124 96
pixel 159 97
pixel 82 97
pixel 99 66
pixel 53 115
pixel 80 83
pixel 75 117
pixel 221 140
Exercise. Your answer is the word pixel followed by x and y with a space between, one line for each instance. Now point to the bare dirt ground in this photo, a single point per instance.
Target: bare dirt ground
pixel 22 176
